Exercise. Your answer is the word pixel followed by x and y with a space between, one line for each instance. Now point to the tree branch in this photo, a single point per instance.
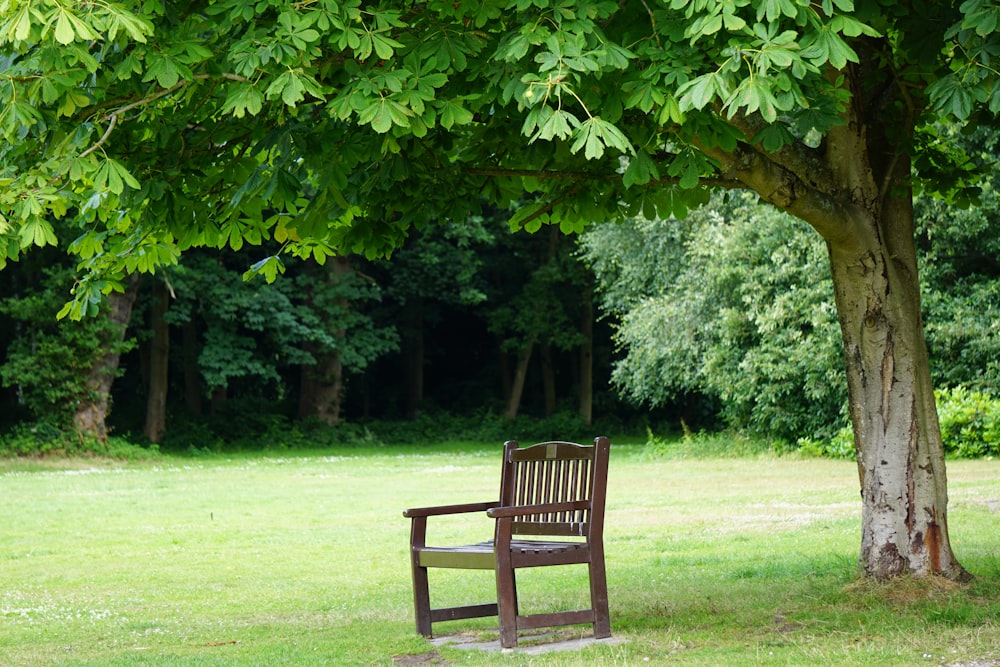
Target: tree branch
pixel 550 174
pixel 117 113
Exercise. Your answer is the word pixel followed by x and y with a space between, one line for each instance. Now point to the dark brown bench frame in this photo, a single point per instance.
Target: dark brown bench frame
pixel 553 489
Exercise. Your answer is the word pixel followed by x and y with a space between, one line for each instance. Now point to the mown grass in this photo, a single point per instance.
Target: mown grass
pixel 302 560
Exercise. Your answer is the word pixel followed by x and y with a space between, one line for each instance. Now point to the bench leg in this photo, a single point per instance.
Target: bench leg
pixel 506 586
pixel 507 606
pixel 599 598
pixel 421 600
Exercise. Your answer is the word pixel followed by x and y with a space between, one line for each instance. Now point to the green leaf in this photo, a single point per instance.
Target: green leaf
pixel 596 134
pixel 951 97
pixel 643 95
pixel 641 170
pixel 384 46
pixel 383 114
pixel 698 92
pixel 773 137
pixel 37 232
pixel 20 26
pixel 453 113
pixel 163 69
pixel 555 124
pixel 64 28
pixel 243 98
pixel 113 176
pixel 137 27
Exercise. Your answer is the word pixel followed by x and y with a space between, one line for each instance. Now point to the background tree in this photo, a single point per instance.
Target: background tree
pixel 823 108
pixel 63 371
pixel 959 251
pixel 733 305
pixel 436 269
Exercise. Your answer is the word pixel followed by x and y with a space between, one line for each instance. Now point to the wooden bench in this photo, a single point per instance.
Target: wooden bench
pixel 553 490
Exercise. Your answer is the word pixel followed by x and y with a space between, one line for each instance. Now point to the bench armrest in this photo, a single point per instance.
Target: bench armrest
pixel 449 509
pixel 547 508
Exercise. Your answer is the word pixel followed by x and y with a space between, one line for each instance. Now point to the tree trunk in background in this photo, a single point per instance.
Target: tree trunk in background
pixel 413 354
pixel 506 377
pixel 322 386
pixel 90 419
pixel 517 385
pixel 548 380
pixel 159 357
pixel 586 405
pixel 218 399
pixel 193 398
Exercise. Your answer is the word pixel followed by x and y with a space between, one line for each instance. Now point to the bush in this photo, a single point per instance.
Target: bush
pixel 726 444
pixel 970 422
pixel 970 427
pixel 840 446
pixel 43 439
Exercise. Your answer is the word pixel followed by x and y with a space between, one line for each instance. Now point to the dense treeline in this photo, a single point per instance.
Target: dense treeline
pixel 724 319
pixel 467 319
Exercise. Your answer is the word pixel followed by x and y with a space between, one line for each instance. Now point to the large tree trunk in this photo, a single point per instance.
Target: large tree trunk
pixel 159 357
pixel 90 418
pixel 897 437
pixel 854 189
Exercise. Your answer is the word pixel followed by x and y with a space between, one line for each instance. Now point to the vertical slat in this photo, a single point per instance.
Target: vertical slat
pixel 585 490
pixel 547 484
pixel 560 489
pixel 574 490
pixel 527 472
pixel 563 465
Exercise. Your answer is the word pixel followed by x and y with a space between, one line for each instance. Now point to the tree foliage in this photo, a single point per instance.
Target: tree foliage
pixel 743 313
pixel 335 125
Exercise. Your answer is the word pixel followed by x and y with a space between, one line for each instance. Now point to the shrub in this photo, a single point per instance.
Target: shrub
pixel 970 427
pixel 840 446
pixel 970 422
pixel 43 439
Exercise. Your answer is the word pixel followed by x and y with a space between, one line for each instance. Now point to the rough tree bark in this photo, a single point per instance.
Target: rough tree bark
pixel 900 456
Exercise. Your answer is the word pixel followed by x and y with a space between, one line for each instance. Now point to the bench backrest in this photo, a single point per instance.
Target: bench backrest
pixel 557 472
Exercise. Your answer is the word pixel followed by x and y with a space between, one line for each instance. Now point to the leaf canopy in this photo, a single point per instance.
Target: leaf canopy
pixel 336 126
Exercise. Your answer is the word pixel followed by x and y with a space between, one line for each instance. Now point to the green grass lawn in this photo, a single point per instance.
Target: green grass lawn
pixel 302 560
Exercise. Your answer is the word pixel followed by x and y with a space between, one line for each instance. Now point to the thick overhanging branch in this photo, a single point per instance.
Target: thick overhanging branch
pixel 798 158
pixel 833 217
